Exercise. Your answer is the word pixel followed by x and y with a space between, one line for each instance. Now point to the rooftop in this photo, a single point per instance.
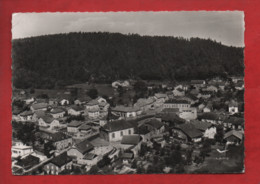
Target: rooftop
pixel 61 159
pixel 131 139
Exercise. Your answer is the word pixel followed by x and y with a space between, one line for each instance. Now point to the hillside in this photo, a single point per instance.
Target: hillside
pixel 62 59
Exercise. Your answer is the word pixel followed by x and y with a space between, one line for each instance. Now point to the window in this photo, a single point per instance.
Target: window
pixel 121 133
pixel 129 132
pixel 113 135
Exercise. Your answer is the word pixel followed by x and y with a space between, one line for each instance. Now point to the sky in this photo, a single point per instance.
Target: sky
pixel 226 27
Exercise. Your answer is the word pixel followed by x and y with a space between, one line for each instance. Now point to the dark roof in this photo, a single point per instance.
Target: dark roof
pixel 235 120
pixel 47 118
pixel 172 118
pixel 234 133
pixel 201 125
pixel 176 101
pixel 28 161
pixel 122 108
pixel 75 123
pixel 85 126
pixel 57 110
pixel 119 125
pixel 127 155
pixel 170 110
pixel 77 107
pixel 84 146
pixel 89 156
pixel 154 123
pixel 39 106
pixel 190 130
pixel 131 139
pixel 210 116
pixel 61 159
pixel 26 113
pixel 58 136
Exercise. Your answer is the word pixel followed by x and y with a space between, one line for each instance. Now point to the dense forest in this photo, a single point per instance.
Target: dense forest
pixel 62 59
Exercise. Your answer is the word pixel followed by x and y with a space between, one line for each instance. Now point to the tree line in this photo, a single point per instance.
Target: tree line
pixel 62 59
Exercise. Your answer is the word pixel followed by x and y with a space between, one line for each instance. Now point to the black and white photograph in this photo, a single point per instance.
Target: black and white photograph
pixel 105 93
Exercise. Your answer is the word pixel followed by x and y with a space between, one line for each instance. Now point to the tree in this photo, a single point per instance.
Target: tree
pixel 103 162
pixel 92 93
pixel 32 91
pixel 219 134
pixel 48 149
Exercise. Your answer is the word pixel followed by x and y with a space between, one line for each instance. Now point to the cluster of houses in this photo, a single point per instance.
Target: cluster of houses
pixel 118 132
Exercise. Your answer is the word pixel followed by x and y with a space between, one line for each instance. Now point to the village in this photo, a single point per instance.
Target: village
pixel 130 126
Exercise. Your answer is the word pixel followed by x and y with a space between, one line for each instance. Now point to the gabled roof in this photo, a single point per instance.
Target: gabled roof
pixel 75 123
pixel 26 113
pixel 47 119
pixel 119 125
pixel 37 106
pixel 210 116
pixel 160 95
pixel 57 110
pixel 77 108
pixel 131 139
pixel 234 133
pixel 61 159
pixel 85 126
pixel 143 101
pixel 170 110
pixel 121 108
pixel 190 130
pixel 40 113
pixel 93 102
pixel 177 101
pixel 154 123
pixel 201 125
pixel 235 120
pixel 84 146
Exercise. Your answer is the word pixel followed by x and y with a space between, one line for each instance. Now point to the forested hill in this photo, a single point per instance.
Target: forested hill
pixel 51 60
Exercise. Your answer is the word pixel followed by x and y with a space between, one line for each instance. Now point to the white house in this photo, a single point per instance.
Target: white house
pixel 189 113
pixel 115 130
pixel 174 103
pixel 26 116
pixel 57 113
pixel 64 102
pixel 178 92
pixel 126 112
pixel 48 122
pixel 93 113
pixel 76 110
pixel 19 150
pixel 233 107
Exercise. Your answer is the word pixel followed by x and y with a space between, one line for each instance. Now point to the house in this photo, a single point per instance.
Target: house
pixel 27 162
pixel 210 88
pixel 175 103
pixel 85 128
pixel 178 92
pixel 145 104
pixel 160 98
pixel 127 158
pixel 239 86
pixel 29 100
pixel 58 164
pixel 188 113
pixel 93 104
pixel 209 131
pixel 76 110
pixel 80 149
pixel 37 115
pixel 205 94
pixel 187 132
pixel 73 126
pixel 121 83
pixel 93 113
pixel 212 118
pixel 150 128
pixel 233 107
pixel 48 121
pixel 222 85
pixel 208 108
pixel 115 130
pixel 21 150
pixel 126 112
pixel 131 143
pixel 198 83
pixel 170 119
pixel 82 100
pixel 26 116
pixel 60 140
pixel 64 102
pixel 103 106
pixel 235 79
pixel 39 107
pixel 57 113
pixel 234 123
pixel 233 137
